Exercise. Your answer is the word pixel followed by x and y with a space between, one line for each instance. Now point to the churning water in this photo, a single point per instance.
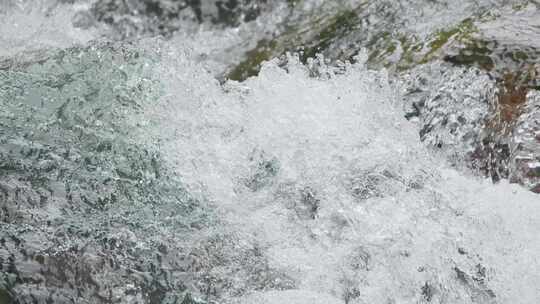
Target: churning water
pixel 130 174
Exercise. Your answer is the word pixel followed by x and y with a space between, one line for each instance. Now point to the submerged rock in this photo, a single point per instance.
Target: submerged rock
pixel 511 66
pixel 76 186
pixel 452 106
pixel 130 19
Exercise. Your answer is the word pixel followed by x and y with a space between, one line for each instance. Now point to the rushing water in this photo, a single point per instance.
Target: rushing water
pixel 131 172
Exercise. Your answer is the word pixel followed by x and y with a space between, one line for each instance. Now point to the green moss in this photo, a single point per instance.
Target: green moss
pixel 485 54
pixel 250 67
pixel 391 48
pixel 373 56
pixel 461 32
pixel 292 3
pixel 316 37
pixel 377 56
pixel 382 37
pixel 410 47
pixel 485 62
pixel 379 41
pixel 384 44
pixel 337 27
pixel 442 38
pixel 520 56
pixel 519 6
pixel 5 297
pixel 474 53
pixel 321 33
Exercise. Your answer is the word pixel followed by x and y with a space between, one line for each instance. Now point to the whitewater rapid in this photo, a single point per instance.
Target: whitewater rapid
pixel 330 179
pixel 304 184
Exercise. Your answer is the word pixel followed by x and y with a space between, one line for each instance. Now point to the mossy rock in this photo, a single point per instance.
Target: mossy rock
pixel 337 27
pixel 309 39
pixel 265 50
pixel 5 297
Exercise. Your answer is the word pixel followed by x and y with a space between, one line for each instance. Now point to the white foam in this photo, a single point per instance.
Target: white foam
pixel 389 219
pixel 34 25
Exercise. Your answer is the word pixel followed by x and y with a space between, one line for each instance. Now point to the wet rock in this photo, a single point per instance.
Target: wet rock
pixel 164 17
pixel 452 107
pixel 524 159
pixel 5 296
pixel 475 120
pixel 496 47
pixel 134 18
pixel 398 35
pixel 475 133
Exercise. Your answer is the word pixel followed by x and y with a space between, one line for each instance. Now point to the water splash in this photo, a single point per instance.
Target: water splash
pixel 34 26
pixel 130 174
